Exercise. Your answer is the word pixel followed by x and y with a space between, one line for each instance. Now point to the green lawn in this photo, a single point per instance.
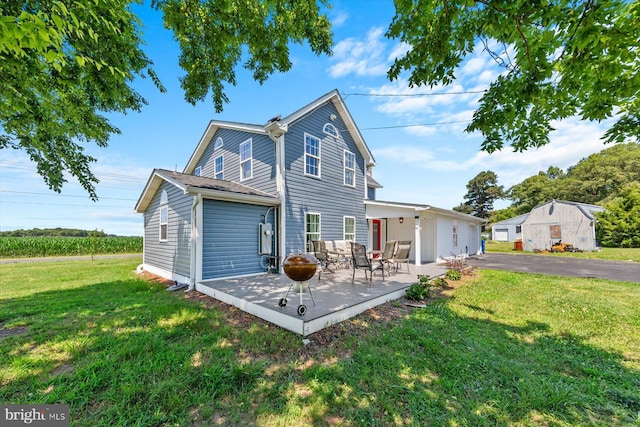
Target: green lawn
pixel 505 349
pixel 612 254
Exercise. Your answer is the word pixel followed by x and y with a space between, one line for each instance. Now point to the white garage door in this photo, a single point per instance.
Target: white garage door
pixel 501 235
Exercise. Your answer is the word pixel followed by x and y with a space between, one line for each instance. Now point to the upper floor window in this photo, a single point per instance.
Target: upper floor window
pixel 330 129
pixel 311 155
pixel 198 171
pixel 349 228
pixel 311 229
pixel 218 144
pixel 164 216
pixel 246 168
pixel 219 169
pixel 349 168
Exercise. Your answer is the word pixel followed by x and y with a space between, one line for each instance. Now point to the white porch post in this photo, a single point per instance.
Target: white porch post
pixel 418 242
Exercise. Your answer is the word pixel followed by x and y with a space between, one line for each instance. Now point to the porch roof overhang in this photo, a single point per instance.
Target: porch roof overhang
pixel 383 209
pixel 209 188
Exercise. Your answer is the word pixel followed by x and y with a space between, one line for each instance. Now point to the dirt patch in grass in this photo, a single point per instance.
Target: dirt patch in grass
pixel 13 332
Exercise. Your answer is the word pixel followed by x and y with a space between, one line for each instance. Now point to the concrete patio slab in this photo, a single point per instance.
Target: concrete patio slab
pixel 336 298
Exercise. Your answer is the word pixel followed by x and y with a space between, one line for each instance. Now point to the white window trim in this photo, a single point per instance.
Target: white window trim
pixel 215 172
pixel 344 228
pixel 198 171
pixel 331 126
pixel 344 164
pixel 216 145
pixel 250 159
pixel 319 156
pixel 164 206
pixel 306 233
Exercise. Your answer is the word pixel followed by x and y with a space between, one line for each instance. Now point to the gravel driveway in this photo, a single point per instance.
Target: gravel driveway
pixel 627 271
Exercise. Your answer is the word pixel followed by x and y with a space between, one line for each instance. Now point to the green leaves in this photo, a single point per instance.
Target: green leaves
pixel 482 191
pixel 570 58
pixel 214 36
pixel 619 225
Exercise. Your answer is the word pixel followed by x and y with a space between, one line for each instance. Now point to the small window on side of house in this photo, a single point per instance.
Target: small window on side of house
pixel 349 168
pixel 246 160
pixel 311 156
pixel 349 228
pixel 164 216
pixel 311 229
pixel 218 167
pixel 218 144
pixel 330 129
pixel 455 233
pixel 198 171
pixel 518 229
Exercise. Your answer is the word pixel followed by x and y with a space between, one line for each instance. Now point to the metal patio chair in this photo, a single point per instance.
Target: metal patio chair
pixel 403 248
pixel 328 261
pixel 362 261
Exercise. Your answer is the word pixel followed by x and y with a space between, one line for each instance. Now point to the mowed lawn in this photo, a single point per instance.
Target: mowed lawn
pixel 501 349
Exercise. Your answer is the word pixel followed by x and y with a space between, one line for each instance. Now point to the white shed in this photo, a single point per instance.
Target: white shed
pixel 508 230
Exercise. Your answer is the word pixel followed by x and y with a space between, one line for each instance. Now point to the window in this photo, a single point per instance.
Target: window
pixel 218 166
pixel 349 168
pixel 246 169
pixel 349 228
pixel 455 233
pixel 518 229
pixel 164 216
pixel 555 231
pixel 311 155
pixel 218 143
pixel 330 129
pixel 198 171
pixel 311 230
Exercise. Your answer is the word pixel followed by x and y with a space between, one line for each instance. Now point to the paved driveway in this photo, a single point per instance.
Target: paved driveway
pixel 627 271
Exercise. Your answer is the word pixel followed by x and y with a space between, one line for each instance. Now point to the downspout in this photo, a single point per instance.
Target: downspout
pixel 276 133
pixel 194 242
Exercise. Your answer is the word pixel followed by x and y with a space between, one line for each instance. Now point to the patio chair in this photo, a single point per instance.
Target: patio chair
pixel 387 254
pixel 403 248
pixel 362 261
pixel 327 261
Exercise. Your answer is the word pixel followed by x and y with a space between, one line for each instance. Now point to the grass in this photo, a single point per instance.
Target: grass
pixel 611 254
pixel 505 349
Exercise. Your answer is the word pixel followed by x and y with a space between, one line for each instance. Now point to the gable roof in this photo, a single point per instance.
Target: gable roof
pixel 282 124
pixel 516 220
pixel 210 188
pixel 420 208
pixel 587 209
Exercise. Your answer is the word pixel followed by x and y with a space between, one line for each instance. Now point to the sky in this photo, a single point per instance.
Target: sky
pixel 421 150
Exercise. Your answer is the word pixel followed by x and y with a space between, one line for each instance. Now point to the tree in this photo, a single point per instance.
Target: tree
pixel 464 208
pixel 536 190
pixel 561 58
pixel 482 191
pixel 619 225
pixel 65 64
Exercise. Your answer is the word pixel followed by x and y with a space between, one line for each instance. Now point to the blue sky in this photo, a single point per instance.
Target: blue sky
pixel 418 164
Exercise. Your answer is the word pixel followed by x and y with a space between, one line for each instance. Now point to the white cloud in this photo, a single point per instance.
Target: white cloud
pixel 359 57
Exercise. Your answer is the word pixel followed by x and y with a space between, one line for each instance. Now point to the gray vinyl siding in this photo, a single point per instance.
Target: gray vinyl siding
pixel 174 254
pixel 263 151
pixel 230 239
pixel 326 195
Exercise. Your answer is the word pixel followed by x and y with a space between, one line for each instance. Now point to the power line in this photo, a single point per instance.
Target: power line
pixel 64 195
pixel 466 92
pixel 67 204
pixel 418 125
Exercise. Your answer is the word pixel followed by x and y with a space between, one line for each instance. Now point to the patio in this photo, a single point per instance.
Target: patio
pixel 336 298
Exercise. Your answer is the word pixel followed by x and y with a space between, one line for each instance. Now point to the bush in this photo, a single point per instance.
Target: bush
pixel 453 275
pixel 423 278
pixel 418 292
pixel 440 281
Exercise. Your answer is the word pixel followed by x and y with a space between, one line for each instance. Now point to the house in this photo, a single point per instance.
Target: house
pixel 250 191
pixel 508 230
pixel 558 220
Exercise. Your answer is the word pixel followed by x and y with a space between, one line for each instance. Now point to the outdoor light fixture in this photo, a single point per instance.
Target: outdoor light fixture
pixel 401 220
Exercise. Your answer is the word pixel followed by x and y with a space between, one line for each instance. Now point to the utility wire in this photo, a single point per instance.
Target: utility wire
pixel 418 125
pixel 467 92
pixel 64 195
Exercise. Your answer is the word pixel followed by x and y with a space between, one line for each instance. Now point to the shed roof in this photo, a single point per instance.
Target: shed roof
pixel 587 209
pixel 516 220
pixel 209 187
pixel 422 207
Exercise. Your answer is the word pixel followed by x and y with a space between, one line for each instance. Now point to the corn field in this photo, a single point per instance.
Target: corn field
pixel 28 247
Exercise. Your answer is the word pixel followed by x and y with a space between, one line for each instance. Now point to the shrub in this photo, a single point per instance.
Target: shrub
pixel 417 292
pixel 453 275
pixel 440 281
pixel 423 278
